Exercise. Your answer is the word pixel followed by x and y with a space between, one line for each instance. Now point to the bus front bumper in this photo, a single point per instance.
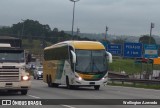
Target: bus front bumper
pixel 81 82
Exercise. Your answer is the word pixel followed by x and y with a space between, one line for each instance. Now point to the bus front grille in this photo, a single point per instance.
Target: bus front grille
pixel 8 74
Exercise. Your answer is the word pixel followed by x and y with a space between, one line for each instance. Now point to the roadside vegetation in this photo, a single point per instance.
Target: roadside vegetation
pixel 34 46
pixel 130 66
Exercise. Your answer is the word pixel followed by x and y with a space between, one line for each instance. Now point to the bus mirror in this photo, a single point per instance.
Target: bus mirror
pixel 109 55
pixel 73 56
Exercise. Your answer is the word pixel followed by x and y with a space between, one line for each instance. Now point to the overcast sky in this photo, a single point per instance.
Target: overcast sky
pixel 123 17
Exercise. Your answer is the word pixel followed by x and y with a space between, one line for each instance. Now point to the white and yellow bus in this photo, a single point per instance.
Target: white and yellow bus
pixel 75 64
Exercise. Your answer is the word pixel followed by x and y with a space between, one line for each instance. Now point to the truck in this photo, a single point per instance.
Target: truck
pixel 13 76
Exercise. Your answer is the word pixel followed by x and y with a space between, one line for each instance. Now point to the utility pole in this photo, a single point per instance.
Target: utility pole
pixel 74 1
pixel 78 31
pixel 152 26
pixel 106 33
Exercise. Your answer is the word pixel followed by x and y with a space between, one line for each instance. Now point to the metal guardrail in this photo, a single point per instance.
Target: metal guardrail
pixel 134 81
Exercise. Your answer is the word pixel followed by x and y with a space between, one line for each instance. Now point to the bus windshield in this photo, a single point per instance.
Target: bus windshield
pixel 11 56
pixel 91 61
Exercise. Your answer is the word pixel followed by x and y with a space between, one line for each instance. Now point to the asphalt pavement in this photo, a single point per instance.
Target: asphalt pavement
pixel 108 94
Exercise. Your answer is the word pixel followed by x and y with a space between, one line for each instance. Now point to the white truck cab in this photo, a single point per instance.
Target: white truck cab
pixel 13 76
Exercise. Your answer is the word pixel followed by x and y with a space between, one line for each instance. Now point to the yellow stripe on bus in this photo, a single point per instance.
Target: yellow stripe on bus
pixel 88 45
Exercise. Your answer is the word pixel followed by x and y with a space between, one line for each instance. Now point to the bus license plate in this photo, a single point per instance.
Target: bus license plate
pixel 92 83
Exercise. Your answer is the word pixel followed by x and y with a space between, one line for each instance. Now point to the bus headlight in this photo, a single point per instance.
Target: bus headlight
pixel 105 77
pixel 25 78
pixel 80 78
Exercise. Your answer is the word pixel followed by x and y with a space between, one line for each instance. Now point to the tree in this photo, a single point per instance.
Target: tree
pixel 5 30
pixel 55 30
pixel 145 39
pixel 119 40
pixel 31 27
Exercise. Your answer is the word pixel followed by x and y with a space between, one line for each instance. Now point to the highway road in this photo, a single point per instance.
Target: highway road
pixel 40 90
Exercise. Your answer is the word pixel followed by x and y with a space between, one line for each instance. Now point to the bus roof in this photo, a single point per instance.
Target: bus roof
pixel 95 45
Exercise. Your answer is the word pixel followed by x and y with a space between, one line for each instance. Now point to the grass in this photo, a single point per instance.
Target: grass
pixel 126 65
pixel 130 67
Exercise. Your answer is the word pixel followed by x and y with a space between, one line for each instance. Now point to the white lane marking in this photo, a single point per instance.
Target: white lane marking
pixel 34 96
pixel 68 106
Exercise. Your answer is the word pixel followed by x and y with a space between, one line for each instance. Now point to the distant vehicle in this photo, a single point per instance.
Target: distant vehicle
pixel 38 72
pixel 30 66
pixel 75 64
pixel 143 60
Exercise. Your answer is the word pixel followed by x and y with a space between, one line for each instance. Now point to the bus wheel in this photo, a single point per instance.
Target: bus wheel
pixel 96 87
pixel 24 92
pixel 67 83
pixel 50 81
pixel 54 85
pixel 73 87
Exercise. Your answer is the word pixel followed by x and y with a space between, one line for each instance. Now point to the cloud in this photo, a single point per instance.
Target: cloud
pixel 130 17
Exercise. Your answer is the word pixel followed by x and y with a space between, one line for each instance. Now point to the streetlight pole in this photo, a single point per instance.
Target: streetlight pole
pixel 74 1
pixel 152 26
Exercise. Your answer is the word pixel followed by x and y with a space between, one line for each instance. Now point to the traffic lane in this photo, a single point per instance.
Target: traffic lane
pixel 40 90
pixel 107 92
pixel 12 95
